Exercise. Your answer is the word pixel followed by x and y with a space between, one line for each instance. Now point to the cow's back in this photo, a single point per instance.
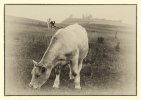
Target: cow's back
pixel 72 37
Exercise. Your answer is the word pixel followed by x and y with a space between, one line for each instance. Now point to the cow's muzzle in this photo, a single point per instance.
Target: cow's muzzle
pixel 33 86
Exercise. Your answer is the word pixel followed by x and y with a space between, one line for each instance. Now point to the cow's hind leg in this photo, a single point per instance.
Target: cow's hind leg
pixel 75 70
pixel 57 79
pixel 77 81
pixel 82 55
pixel 77 77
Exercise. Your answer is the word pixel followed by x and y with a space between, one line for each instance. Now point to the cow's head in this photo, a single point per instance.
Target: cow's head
pixel 40 74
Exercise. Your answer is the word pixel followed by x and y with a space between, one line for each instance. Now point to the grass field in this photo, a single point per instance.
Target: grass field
pixel 109 73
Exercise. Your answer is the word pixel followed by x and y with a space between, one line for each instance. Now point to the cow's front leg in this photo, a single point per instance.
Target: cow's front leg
pixel 57 79
pixel 70 73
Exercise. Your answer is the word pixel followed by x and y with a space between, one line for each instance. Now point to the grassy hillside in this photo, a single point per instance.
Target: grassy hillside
pixel 106 71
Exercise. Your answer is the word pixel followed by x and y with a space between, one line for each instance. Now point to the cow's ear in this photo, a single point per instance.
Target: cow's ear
pixel 35 63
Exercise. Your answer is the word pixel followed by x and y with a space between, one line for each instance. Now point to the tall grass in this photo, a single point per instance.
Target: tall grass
pixel 30 42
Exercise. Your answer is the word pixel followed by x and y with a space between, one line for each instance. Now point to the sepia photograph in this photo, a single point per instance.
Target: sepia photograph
pixel 70 49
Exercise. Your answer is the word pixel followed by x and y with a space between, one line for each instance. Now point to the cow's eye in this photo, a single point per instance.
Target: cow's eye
pixel 62 59
pixel 43 69
pixel 37 76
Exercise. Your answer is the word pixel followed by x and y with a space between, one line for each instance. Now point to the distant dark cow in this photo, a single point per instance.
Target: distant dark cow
pixel 52 24
pixel 69 46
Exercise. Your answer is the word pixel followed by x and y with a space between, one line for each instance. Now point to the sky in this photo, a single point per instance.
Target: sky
pixel 125 13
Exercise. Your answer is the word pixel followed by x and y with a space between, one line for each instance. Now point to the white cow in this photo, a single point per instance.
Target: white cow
pixel 48 22
pixel 69 46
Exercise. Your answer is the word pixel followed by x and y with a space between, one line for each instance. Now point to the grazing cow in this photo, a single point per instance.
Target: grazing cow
pixel 52 24
pixel 69 46
pixel 48 22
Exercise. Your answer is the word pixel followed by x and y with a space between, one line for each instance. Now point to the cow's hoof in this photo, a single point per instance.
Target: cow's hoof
pixel 71 77
pixel 55 86
pixel 78 87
